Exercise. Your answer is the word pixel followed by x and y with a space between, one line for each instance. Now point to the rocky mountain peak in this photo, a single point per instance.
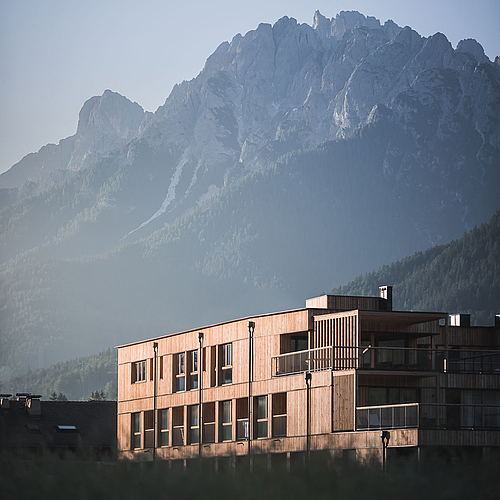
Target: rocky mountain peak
pixel 105 123
pixel 110 113
pixel 346 21
pixel 473 48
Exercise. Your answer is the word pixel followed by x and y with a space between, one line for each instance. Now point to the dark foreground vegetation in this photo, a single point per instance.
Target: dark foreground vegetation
pixel 199 480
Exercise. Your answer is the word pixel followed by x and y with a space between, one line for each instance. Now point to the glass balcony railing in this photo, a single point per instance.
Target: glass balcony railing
pixel 386 358
pixel 428 416
pixel 404 416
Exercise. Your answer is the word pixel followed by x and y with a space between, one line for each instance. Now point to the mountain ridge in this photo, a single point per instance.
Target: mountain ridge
pixel 299 157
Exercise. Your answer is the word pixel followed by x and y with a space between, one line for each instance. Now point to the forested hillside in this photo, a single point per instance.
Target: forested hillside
pixel 461 276
pixel 76 379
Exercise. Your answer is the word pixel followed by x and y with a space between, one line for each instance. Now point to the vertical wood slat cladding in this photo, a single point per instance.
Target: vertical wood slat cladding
pixel 333 393
pixel 339 330
pixel 342 401
pixel 347 303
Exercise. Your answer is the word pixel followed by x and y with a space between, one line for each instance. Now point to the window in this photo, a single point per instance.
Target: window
pixel 161 366
pixel 279 414
pixel 63 428
pixel 163 437
pixel 379 396
pixel 209 422
pixel 185 363
pixel 226 364
pixel 178 426
pixel 194 424
pixel 226 428
pixel 136 430
pixel 260 412
pixel 138 371
pixel 193 369
pixel 149 429
pixel 242 424
pixel 180 372
pixel 298 343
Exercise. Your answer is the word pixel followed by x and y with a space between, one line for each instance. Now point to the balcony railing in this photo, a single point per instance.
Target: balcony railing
pixel 403 416
pixel 428 416
pixel 386 358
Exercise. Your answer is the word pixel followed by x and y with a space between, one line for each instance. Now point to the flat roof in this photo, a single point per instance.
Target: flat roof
pixel 408 317
pixel 245 318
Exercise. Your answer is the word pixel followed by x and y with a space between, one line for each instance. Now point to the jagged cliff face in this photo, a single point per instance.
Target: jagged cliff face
pixel 298 158
pixel 105 124
pixel 281 88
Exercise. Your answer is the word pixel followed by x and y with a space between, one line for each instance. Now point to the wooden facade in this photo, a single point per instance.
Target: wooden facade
pixel 330 376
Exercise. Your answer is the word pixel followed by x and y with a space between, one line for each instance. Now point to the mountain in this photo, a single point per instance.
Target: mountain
pixel 462 276
pixel 299 157
pixel 77 379
pixel 105 123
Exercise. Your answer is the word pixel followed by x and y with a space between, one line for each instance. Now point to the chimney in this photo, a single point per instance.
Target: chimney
pixel 386 293
pixel 4 401
pixel 34 405
pixel 459 320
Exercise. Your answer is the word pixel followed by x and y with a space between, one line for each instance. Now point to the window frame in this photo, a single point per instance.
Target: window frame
pixel 194 424
pixel 163 427
pixel 138 371
pixel 259 419
pixel 178 426
pixel 226 359
pixel 194 369
pixel 179 364
pixel 279 403
pixel 242 420
pixel 226 425
pixel 136 433
pixel 149 429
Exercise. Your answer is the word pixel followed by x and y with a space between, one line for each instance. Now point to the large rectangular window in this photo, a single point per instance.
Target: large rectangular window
pixel 194 424
pixel 193 369
pixel 178 426
pixel 226 427
pixel 138 371
pixel 279 414
pixel 163 435
pixel 136 430
pixel 242 423
pixel 149 429
pixel 260 412
pixel 209 422
pixel 179 370
pixel 226 364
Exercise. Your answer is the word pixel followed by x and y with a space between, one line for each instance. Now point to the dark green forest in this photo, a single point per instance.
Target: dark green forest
pixel 460 277
pixel 76 379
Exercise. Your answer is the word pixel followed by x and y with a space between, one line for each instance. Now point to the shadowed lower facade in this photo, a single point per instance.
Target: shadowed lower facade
pixel 345 374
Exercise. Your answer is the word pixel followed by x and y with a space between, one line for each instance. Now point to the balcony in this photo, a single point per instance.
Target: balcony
pixel 386 359
pixel 428 416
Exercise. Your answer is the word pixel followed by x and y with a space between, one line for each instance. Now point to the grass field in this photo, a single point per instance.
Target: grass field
pixel 321 479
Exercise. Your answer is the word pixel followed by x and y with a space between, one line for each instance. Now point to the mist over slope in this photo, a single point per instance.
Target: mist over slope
pixel 462 276
pixel 299 157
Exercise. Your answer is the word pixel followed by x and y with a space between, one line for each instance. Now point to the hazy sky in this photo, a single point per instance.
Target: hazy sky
pixel 56 54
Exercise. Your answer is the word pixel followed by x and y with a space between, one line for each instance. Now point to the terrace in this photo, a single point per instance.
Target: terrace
pixel 386 359
pixel 428 416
